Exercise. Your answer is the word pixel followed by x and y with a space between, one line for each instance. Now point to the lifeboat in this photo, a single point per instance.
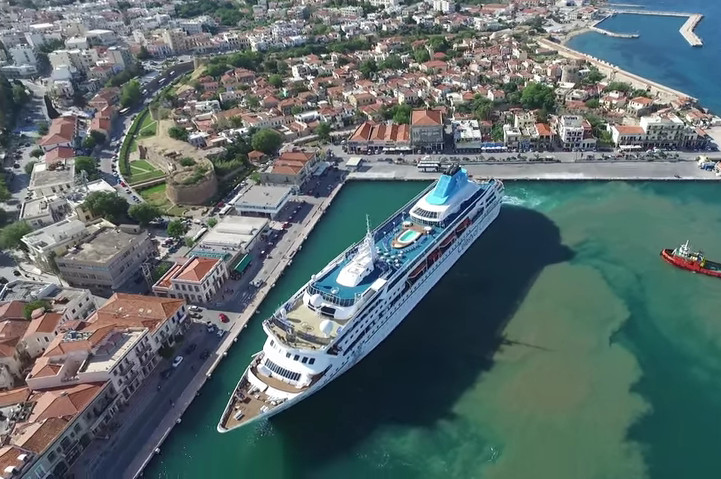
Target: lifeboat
pixel 463 226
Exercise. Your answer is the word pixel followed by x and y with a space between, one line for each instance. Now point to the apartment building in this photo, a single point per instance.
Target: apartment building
pixel 663 130
pixel 23 55
pixel 427 130
pixel 81 60
pixel 291 168
pixel 107 258
pixel 570 131
pixel 45 244
pixel 196 279
pixel 86 374
pixel 628 135
pixel 48 179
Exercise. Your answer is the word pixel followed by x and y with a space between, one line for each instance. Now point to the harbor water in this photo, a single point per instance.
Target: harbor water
pixel 560 346
pixel 661 53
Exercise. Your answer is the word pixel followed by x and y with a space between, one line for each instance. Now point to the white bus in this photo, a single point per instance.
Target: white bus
pixel 429 166
pixel 199 234
pixel 225 210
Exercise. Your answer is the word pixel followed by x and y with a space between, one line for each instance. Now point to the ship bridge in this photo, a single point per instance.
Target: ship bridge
pixel 451 190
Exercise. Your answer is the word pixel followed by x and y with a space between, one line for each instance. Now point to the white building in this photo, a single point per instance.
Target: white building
pixel 444 6
pixel 263 200
pixel 570 131
pixel 46 182
pixel 46 243
pixel 23 55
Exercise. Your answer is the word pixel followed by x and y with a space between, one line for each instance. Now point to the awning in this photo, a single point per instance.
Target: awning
pixel 243 263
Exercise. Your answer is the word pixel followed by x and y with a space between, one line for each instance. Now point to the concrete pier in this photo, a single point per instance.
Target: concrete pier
pixel 687 29
pixel 174 415
pixel 614 34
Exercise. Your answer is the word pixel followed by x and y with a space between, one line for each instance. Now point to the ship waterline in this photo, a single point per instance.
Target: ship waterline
pixel 347 309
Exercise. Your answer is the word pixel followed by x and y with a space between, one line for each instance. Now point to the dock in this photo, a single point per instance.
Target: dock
pixel 174 415
pixel 686 30
pixel 613 34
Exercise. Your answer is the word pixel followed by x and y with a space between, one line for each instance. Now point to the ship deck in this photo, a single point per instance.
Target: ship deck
pixel 306 332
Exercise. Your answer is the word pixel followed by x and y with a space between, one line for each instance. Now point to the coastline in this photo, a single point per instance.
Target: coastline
pixel 174 416
pixel 616 73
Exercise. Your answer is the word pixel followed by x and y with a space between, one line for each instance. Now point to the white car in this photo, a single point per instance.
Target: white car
pixel 177 361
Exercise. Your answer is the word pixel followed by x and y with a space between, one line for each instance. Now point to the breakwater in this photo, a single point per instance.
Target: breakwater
pixel 686 30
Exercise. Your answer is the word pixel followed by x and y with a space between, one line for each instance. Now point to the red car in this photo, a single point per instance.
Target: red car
pixel 223 317
pixel 122 183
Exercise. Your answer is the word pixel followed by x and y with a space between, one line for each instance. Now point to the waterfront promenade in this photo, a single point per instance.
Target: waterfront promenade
pixel 616 73
pixel 580 171
pixel 173 416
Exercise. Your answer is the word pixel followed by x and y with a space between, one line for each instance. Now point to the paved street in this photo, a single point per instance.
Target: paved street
pixel 146 409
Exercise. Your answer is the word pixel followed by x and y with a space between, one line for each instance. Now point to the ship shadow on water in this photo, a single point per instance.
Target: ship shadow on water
pixel 439 351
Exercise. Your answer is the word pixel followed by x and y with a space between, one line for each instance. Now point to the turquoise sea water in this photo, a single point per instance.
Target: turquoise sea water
pixel 661 53
pixel 560 346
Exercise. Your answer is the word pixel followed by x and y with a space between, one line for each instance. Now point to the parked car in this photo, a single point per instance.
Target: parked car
pixel 223 317
pixel 166 374
pixel 192 347
pixel 177 361
pixel 192 307
pixel 205 354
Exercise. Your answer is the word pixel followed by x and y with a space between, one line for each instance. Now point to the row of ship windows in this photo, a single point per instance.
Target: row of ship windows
pixel 297 357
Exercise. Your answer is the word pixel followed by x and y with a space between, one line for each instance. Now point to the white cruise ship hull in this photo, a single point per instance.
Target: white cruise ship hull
pixel 400 308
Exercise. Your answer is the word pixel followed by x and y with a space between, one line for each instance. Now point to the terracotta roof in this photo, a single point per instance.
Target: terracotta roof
pixel 14 396
pixel 134 310
pixel 59 347
pixel 47 323
pixel 642 100
pixel 59 154
pixel 302 156
pixel 61 130
pixel 38 436
pixel 63 402
pixel 43 368
pixel 197 268
pixel 630 130
pixel 543 129
pixel 363 132
pixel 12 310
pixel 11 331
pixel 426 118
pixel 256 155
pixel 10 458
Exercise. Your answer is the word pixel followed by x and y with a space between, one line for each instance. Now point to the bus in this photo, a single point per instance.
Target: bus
pixel 199 234
pixel 429 166
pixel 124 111
pixel 225 210
pixel 161 81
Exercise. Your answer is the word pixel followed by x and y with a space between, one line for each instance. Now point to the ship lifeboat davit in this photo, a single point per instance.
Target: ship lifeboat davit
pixel 463 226
pixel 417 271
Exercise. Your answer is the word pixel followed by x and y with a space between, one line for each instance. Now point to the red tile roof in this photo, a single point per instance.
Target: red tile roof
pixel 426 118
pixel 197 268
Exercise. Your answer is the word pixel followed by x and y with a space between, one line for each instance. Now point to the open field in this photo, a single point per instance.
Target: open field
pixel 141 170
pixel 155 195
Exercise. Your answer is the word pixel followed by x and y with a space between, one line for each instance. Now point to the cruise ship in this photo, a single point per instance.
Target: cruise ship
pixel 344 311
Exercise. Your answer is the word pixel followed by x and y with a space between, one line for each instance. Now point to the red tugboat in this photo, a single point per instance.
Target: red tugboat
pixel 683 257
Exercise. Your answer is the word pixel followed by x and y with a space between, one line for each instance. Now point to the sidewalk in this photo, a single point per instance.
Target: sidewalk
pixel 172 416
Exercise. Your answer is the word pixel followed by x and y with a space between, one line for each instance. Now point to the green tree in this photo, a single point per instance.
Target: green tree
pixel 368 68
pixel 212 222
pixel 296 109
pixel 252 101
pixel 29 167
pixel 37 153
pixel 402 114
pixel 421 55
pixel 188 241
pixel 537 95
pixel 28 308
pixel 89 142
pixel 323 131
pixel 177 229
pixel 143 54
pixel 392 62
pixel 497 132
pixel 144 213
pixel 88 165
pixel 593 103
pixel 187 161
pixel 266 140
pixel 130 95
pixel 594 76
pixel 11 235
pixel 98 136
pixel 106 204
pixel 275 80
pixel 178 133
pixel 439 44
pixel 618 86
pixel 43 128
